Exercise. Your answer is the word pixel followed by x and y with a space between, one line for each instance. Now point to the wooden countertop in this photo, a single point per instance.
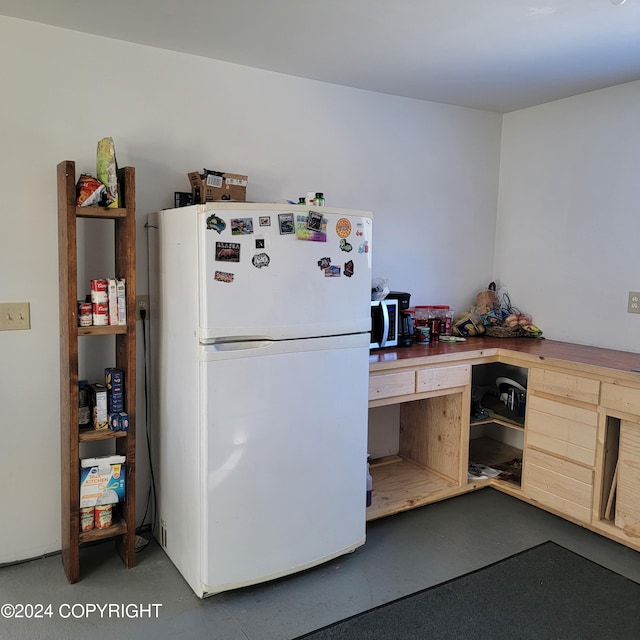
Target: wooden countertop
pixel 620 364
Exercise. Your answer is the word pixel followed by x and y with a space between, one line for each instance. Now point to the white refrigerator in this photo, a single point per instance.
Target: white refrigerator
pixel 260 320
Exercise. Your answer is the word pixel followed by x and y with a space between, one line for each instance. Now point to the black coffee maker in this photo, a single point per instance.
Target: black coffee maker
pixel 405 322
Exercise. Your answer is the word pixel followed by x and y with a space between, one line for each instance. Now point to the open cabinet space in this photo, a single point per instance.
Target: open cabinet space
pixel 500 450
pixel 430 463
pixel 496 431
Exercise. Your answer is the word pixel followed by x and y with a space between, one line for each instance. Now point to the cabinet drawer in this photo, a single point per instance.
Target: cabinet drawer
pixel 565 385
pixel 562 429
pixel 437 378
pixel 558 484
pixel 621 398
pixel 387 385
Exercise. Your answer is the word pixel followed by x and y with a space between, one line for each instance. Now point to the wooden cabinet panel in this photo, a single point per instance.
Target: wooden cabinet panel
pixel 562 429
pixel 387 385
pixel 430 434
pixel 435 378
pixel 628 490
pixel 565 385
pixel 558 484
pixel 624 399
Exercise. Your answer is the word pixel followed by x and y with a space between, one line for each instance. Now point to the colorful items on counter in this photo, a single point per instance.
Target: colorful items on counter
pixel 494 316
pixel 431 322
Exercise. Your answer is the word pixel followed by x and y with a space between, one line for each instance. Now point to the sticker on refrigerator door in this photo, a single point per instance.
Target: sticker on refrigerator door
pixel 228 251
pixel 241 226
pixel 359 229
pixel 345 246
pixel 314 221
pixel 259 243
pixel 323 263
pixel 364 247
pixel 223 276
pixel 312 227
pixel 343 228
pixel 260 260
pixel 348 268
pixel 332 271
pixel 285 220
pixel 264 221
pixel 216 223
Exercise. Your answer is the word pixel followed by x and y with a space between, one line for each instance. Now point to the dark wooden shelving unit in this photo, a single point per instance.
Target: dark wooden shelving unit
pixel 123 528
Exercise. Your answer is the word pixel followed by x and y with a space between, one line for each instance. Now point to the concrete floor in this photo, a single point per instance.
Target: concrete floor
pixel 403 554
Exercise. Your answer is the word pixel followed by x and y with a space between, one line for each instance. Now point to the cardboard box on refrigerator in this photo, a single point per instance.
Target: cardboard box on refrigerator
pixel 210 186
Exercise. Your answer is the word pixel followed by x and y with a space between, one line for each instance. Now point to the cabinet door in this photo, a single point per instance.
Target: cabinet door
pixel 559 484
pixel 628 490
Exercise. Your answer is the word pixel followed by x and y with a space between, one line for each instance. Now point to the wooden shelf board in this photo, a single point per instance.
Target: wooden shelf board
pixel 400 484
pixel 498 411
pixel 504 423
pixel 93 435
pixel 118 528
pixel 110 330
pixel 100 212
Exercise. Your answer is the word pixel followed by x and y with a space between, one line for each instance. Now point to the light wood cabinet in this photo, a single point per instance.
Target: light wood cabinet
pixel 431 463
pixel 123 528
pixel 559 484
pixel 391 385
pixel 442 378
pixel 563 430
pixel 627 511
pixel 579 440
pixel 408 384
pixel 618 497
pixel 565 385
pixel 560 441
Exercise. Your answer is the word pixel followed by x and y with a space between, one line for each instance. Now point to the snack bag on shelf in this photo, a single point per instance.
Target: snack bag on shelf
pixel 107 170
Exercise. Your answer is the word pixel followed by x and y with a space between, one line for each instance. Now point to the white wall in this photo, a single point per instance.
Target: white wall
pixel 428 172
pixel 568 236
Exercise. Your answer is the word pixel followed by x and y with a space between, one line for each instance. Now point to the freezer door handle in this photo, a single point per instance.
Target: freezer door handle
pixel 244 345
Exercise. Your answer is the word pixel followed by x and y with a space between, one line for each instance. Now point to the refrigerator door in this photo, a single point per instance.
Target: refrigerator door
pixel 283 456
pixel 283 273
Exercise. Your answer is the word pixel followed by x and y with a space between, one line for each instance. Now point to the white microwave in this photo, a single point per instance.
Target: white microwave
pixel 384 324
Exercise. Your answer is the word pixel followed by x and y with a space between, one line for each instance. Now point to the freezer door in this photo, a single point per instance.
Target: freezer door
pixel 283 457
pixel 268 272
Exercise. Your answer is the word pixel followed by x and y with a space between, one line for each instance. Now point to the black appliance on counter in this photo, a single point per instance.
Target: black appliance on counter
pixel 405 322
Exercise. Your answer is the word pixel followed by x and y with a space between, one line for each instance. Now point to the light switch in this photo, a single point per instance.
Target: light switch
pixel 14 316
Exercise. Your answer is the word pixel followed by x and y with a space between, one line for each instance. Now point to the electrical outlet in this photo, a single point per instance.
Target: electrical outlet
pixel 14 315
pixel 633 306
pixel 142 304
